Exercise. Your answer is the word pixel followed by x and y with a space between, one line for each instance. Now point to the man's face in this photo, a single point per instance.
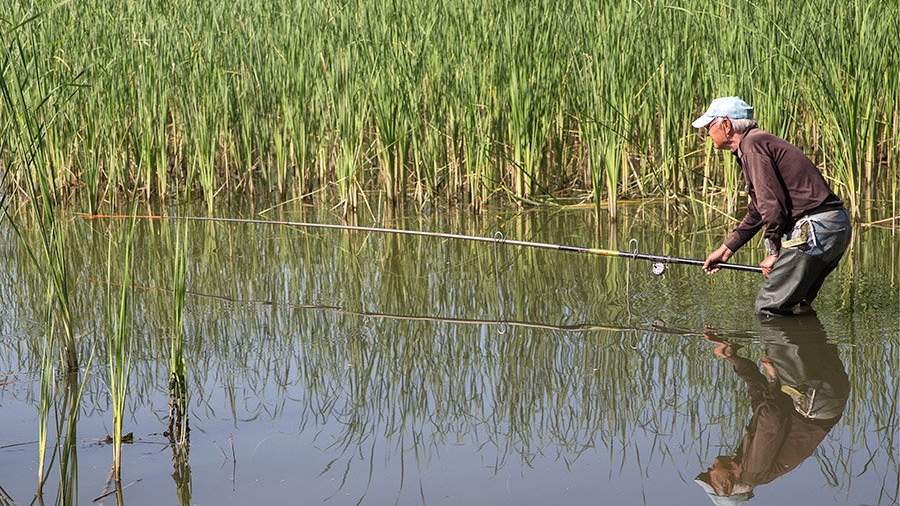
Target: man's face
pixel 723 474
pixel 720 132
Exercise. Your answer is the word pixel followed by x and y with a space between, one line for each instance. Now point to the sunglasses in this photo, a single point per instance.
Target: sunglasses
pixel 714 122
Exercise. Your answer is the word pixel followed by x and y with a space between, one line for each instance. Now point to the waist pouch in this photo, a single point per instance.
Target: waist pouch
pixel 817 233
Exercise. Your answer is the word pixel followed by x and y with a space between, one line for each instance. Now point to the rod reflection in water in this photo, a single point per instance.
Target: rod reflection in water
pixel 797 394
pixel 396 354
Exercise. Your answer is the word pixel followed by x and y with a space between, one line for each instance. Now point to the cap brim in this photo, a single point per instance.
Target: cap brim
pixel 721 500
pixel 702 121
pixel 703 481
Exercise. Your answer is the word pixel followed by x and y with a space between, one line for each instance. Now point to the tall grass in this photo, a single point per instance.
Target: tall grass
pixel 179 424
pixel 119 345
pixel 68 413
pixel 45 401
pixel 460 100
pixel 30 100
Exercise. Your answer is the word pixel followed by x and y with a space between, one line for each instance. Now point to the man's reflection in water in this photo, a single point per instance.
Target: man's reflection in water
pixel 798 393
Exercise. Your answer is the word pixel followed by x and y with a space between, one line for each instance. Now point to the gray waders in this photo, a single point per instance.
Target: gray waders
pixel 808 255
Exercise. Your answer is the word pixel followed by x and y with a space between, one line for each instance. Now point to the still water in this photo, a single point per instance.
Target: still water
pixel 355 368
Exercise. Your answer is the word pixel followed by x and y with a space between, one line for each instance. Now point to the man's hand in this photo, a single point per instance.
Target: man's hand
pixel 768 368
pixel 716 257
pixel 767 264
pixel 723 348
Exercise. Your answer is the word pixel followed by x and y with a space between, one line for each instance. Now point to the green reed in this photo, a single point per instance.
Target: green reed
pixel 458 101
pixel 119 343
pixel 179 421
pixel 178 395
pixel 30 102
pixel 68 413
pixel 45 402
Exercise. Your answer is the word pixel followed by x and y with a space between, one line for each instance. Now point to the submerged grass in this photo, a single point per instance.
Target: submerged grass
pixel 177 366
pixel 28 105
pixel 68 413
pixel 411 386
pixel 459 100
pixel 45 401
pixel 119 344
pixel 179 421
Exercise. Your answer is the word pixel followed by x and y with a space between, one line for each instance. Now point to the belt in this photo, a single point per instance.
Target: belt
pixel 824 208
pixel 804 225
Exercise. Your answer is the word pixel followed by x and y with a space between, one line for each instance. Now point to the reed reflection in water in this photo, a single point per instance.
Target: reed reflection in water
pixel 381 369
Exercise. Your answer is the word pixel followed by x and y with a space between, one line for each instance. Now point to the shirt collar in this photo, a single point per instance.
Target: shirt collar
pixel 738 152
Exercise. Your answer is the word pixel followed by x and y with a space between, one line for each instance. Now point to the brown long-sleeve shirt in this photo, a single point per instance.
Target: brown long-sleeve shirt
pixel 783 185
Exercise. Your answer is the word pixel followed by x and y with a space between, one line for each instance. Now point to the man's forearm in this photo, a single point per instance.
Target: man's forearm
pixel 746 229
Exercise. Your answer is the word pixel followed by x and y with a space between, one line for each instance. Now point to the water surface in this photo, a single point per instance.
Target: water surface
pixel 357 368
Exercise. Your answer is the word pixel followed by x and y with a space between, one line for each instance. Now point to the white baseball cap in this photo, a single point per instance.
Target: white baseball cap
pixel 725 107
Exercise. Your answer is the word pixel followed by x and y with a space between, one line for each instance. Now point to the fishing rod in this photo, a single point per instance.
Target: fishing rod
pixel 660 261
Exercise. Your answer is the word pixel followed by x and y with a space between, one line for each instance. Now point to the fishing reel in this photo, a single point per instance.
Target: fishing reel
pixel 657 269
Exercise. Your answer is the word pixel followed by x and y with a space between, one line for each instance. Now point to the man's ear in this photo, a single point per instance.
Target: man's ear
pixel 727 127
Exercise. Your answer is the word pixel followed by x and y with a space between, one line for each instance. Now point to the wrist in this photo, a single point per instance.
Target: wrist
pixel 771 248
pixel 726 252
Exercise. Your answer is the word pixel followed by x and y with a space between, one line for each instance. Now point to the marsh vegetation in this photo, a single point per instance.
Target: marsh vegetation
pixel 450 101
pixel 363 368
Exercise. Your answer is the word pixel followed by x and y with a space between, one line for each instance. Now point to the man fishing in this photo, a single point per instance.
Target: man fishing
pixel 806 226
